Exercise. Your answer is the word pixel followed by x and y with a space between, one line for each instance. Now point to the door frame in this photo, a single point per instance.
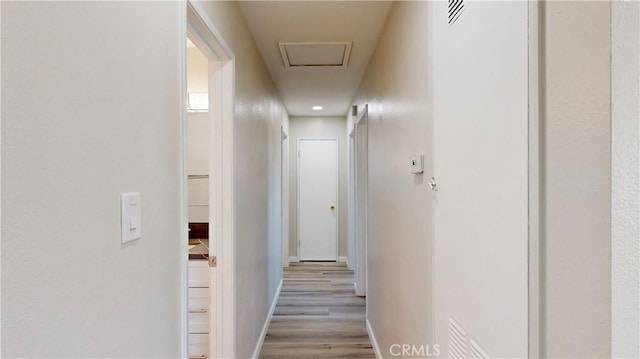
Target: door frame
pixel 351 255
pixel 337 162
pixel 536 164
pixel 360 239
pixel 198 27
pixel 284 183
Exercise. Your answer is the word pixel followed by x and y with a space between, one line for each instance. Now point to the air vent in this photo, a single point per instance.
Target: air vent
pixel 476 351
pixel 315 54
pixel 455 10
pixel 457 340
pixel 462 345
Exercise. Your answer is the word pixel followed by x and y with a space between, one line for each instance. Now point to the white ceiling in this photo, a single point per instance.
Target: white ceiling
pixel 316 21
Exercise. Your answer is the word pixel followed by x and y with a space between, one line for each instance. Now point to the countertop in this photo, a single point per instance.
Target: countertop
pixel 198 248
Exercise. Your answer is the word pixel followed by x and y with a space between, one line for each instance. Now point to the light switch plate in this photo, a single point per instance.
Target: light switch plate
pixel 130 214
pixel 416 163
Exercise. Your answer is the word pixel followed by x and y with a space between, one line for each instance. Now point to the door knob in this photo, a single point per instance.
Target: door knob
pixel 332 208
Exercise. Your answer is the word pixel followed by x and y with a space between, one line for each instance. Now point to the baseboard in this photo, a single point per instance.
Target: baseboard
pixel 294 259
pixel 265 327
pixel 374 341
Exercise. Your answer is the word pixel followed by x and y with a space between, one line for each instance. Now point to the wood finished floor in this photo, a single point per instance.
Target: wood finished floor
pixel 318 315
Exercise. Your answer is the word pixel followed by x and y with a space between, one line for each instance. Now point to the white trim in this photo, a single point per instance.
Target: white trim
pixel 374 341
pixel 204 34
pixel 294 260
pixel 360 265
pixel 284 196
pixel 351 240
pixel 287 62
pixel 184 207
pixel 219 46
pixel 337 189
pixel 342 259
pixel 265 327
pixel 362 116
pixel 534 298
pixel 625 175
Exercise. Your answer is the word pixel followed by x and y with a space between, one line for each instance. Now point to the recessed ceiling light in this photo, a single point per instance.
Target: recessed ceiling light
pixel 317 108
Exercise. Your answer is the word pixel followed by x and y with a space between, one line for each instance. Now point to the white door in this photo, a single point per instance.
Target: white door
pixel 317 199
pixel 481 171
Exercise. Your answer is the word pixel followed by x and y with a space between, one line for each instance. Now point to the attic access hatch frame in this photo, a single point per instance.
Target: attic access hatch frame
pixel 315 46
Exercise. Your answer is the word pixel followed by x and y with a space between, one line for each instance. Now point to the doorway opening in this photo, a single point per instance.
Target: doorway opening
pixel 198 215
pixel 358 169
pixel 208 191
pixel 317 161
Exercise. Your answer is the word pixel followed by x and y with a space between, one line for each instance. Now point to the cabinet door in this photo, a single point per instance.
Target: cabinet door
pixel 198 300
pixel 198 323
pixel 198 274
pixel 198 345
pixel 198 191
pixel 480 164
pixel 198 139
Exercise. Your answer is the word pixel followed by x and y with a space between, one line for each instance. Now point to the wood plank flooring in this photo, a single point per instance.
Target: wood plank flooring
pixel 318 315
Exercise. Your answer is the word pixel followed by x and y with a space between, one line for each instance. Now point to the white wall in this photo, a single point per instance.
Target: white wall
pixel 197 71
pixel 328 127
pixel 90 110
pixel 625 211
pixel 87 115
pixel 576 179
pixel 396 88
pixel 576 204
pixel 259 114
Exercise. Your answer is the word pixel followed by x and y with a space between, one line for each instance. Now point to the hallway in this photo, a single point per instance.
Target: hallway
pixel 488 179
pixel 318 315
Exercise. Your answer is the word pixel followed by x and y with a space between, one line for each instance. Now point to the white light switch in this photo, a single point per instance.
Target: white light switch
pixel 416 163
pixel 130 216
pixel 133 223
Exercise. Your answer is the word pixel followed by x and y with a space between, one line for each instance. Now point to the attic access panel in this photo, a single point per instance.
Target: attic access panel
pixel 315 54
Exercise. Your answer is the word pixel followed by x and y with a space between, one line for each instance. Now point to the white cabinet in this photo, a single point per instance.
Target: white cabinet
pixel 198 191
pixel 198 322
pixel 198 346
pixel 198 273
pixel 198 300
pixel 198 139
pixel 198 166
pixel 199 309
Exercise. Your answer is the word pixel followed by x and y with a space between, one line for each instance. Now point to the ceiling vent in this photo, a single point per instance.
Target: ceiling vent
pixel 315 54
